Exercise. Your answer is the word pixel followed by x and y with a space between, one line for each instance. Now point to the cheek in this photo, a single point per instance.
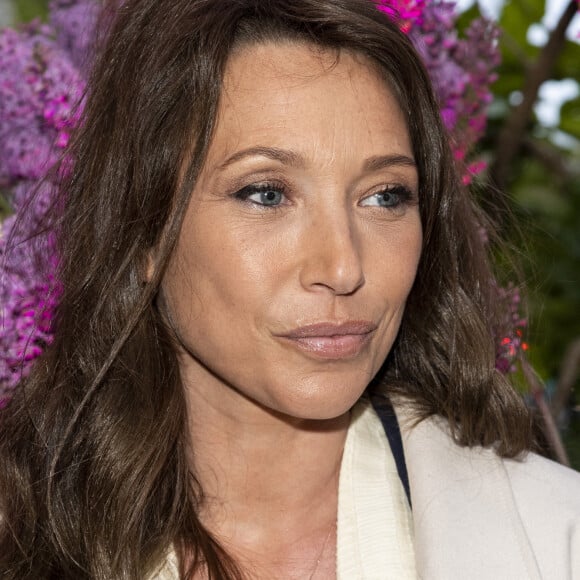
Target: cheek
pixel 396 262
pixel 397 259
pixel 220 274
pixel 410 256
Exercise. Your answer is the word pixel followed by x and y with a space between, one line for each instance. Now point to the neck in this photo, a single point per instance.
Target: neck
pixel 256 467
pixel 265 477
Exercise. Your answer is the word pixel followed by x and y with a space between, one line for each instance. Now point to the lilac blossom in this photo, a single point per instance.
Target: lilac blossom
pixel 28 296
pixel 74 25
pixel 510 342
pixel 39 88
pixel 41 84
pixel 408 13
pixel 462 71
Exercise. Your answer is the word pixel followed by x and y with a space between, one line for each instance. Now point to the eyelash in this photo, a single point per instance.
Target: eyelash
pixel 245 193
pixel 404 194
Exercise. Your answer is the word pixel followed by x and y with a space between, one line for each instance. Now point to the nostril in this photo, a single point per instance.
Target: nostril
pixel 333 264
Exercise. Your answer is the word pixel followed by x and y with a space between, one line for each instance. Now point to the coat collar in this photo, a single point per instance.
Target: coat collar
pixel 465 518
pixel 466 523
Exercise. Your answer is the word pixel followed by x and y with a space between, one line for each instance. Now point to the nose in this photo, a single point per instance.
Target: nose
pixel 331 255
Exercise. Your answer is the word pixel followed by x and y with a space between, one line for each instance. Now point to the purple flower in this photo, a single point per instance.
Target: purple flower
pixel 510 333
pixel 408 13
pixel 74 24
pixel 462 70
pixel 40 87
pixel 28 297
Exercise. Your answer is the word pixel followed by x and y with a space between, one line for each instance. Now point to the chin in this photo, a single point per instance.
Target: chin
pixel 321 403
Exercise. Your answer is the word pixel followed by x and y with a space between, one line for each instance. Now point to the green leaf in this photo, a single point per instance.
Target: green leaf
pixel 466 18
pixel 5 208
pixel 570 118
pixel 568 65
pixel 27 10
pixel 516 18
pixel 508 81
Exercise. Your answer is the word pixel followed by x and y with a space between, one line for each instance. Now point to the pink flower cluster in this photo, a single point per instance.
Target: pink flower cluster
pixel 462 69
pixel 407 12
pixel 28 297
pixel 42 71
pixel 510 335
pixel 41 84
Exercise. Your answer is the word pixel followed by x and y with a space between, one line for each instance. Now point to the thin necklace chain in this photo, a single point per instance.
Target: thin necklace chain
pixel 331 529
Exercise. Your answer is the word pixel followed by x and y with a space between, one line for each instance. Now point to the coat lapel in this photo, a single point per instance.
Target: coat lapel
pixel 465 518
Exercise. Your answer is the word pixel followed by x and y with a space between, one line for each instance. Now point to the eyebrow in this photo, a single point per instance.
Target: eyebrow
pixel 293 159
pixel 284 156
pixel 385 161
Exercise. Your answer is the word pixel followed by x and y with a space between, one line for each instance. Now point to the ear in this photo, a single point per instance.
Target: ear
pixel 149 266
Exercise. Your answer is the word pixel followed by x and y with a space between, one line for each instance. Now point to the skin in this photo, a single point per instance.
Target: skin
pixel 268 418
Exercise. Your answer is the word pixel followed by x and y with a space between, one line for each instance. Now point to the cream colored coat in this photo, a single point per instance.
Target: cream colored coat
pixel 479 517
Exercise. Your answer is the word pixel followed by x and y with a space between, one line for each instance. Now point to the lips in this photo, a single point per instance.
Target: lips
pixel 329 340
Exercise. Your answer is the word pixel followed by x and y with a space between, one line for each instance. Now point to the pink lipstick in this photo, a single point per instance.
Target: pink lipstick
pixel 331 341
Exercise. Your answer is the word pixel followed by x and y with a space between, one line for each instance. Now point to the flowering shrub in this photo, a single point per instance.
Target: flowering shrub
pixel 41 82
pixel 42 71
pixel 511 341
pixel 462 69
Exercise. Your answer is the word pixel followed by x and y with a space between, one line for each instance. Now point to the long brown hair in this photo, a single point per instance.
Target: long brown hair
pixel 94 480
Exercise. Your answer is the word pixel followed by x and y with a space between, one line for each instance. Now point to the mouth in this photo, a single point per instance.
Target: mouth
pixel 331 341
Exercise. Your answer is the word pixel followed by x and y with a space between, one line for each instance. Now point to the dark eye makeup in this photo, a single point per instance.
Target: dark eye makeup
pixel 273 195
pixel 264 194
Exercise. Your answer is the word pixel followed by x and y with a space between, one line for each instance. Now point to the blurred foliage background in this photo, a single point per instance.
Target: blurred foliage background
pixel 532 147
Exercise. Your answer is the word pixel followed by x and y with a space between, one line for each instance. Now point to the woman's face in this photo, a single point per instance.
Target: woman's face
pixel 302 238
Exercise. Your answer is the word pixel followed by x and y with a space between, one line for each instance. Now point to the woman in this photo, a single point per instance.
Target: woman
pixel 262 231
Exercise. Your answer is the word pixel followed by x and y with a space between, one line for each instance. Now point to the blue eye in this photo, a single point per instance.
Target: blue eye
pixel 388 198
pixel 267 197
pixel 264 194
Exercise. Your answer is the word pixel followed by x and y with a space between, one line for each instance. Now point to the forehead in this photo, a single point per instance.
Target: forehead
pixel 295 94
